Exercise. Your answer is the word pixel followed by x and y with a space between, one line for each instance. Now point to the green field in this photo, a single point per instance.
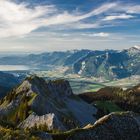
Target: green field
pixel 108 106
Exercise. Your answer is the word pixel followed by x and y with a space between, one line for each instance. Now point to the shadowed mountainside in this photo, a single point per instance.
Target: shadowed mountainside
pixel 111 99
pixel 51 103
pixel 7 82
pixel 48 110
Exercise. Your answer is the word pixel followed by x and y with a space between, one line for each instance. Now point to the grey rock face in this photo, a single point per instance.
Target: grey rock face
pixel 115 126
pixel 52 102
pixel 50 120
pixel 57 97
pixel 9 108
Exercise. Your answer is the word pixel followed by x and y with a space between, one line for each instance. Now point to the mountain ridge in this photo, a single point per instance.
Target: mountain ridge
pixel 105 64
pixel 49 110
pixel 35 95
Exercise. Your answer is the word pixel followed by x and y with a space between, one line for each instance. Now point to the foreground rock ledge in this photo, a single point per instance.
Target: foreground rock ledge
pixel 115 126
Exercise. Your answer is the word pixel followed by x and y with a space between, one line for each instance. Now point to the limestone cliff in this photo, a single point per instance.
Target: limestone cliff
pixel 48 100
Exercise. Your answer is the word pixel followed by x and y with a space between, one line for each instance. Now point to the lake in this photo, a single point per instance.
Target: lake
pixel 13 67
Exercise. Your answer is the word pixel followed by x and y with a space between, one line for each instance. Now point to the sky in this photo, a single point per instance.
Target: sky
pixel 33 26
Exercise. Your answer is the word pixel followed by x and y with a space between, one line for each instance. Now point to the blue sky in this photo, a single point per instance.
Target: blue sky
pixel 53 25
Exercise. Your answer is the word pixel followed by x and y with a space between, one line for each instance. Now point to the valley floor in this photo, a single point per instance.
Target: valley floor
pixel 82 84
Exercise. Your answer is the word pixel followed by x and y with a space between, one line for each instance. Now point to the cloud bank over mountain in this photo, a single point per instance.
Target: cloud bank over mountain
pixel 23 22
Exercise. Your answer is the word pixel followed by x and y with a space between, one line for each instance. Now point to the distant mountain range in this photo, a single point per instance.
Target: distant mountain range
pixel 44 59
pixel 110 64
pixel 107 64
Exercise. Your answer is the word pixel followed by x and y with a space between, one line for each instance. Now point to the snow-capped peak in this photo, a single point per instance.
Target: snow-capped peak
pixel 137 47
pixel 134 50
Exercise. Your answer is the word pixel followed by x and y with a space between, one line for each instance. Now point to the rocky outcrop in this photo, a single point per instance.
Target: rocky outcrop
pixel 48 100
pixel 49 121
pixel 115 126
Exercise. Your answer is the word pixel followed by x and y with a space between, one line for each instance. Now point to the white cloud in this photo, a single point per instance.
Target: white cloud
pixel 66 17
pixel 18 19
pixel 121 16
pixel 82 25
pixel 101 34
pixel 131 9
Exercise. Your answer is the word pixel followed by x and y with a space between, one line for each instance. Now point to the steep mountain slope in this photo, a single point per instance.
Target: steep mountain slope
pixel 108 65
pixel 76 56
pixel 36 101
pixel 115 126
pixel 120 125
pixel 7 82
pixel 111 99
pixel 45 110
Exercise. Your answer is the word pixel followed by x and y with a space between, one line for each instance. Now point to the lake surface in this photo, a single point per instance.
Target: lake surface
pixel 13 67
